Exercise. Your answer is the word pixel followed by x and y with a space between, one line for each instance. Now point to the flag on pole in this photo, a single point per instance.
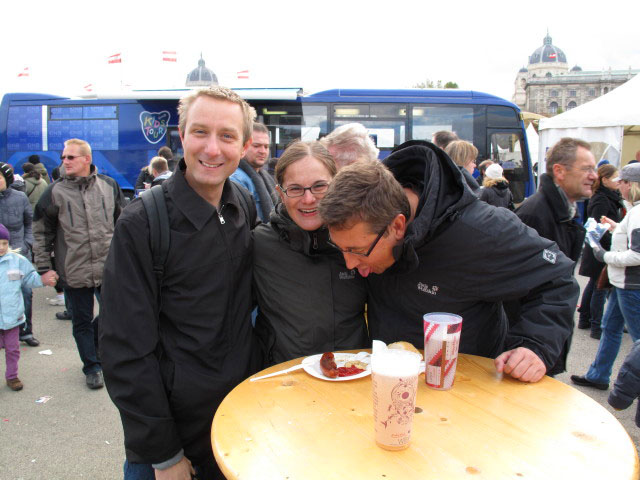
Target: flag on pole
pixel 168 56
pixel 553 55
pixel 116 58
pixel 24 72
pixel 243 75
pixel 89 88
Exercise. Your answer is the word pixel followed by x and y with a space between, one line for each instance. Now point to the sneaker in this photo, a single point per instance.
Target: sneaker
pixel 63 315
pixel 94 380
pixel 14 384
pixel 57 301
pixel 584 324
pixel 31 341
pixel 583 382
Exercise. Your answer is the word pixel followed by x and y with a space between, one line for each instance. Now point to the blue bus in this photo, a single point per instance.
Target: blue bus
pixel 126 130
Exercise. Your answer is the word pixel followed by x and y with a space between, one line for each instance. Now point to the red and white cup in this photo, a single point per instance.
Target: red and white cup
pixel 441 342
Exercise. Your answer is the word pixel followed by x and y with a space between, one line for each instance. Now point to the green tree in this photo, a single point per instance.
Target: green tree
pixel 451 85
pixel 426 84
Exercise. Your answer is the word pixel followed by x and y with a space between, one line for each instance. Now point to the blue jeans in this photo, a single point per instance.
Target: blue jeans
pixel 592 304
pixel 624 307
pixel 84 327
pixel 26 329
pixel 144 471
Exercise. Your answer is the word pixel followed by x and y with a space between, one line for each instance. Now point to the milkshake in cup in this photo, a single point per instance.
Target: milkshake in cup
pixel 441 341
pixel 394 375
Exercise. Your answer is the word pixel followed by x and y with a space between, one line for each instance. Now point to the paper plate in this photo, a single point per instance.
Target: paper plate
pixel 311 365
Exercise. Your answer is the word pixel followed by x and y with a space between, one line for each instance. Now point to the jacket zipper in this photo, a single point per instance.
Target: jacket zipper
pixel 104 209
pixel 315 241
pixel 70 213
pixel 220 217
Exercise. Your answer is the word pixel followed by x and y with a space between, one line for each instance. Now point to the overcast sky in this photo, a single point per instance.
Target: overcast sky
pixel 313 45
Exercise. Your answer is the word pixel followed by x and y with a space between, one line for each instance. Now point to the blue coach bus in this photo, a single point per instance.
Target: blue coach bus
pixel 127 129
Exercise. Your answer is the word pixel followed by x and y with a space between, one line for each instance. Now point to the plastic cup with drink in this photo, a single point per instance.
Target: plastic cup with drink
pixel 441 342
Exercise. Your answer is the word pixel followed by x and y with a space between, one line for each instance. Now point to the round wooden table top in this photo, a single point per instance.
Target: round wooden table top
pixel 488 426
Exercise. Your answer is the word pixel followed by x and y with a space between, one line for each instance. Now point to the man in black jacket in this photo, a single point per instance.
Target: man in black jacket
pixel 171 352
pixel 432 246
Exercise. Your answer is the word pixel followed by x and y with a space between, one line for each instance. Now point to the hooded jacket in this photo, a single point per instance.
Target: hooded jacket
pixel 463 256
pixel 15 272
pixel 34 189
pixel 309 302
pixel 497 194
pixel 16 214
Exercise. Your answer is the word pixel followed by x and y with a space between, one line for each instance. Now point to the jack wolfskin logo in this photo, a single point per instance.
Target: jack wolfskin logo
pixel 426 289
pixel 154 125
pixel 549 256
pixel 349 275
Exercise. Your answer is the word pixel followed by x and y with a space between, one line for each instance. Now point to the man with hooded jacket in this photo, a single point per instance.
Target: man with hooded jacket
pixel 434 247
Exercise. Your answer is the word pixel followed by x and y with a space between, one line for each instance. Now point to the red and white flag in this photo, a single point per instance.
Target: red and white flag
pixel 243 75
pixel 168 56
pixel 24 72
pixel 553 55
pixel 116 58
pixel 89 88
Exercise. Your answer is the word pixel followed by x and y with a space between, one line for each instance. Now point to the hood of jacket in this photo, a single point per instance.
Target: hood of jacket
pixel 442 192
pixel 303 241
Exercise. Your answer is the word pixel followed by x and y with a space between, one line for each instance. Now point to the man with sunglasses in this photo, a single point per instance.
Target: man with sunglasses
pixel 74 219
pixel 425 243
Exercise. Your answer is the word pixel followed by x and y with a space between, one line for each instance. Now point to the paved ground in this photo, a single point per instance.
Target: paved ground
pixel 77 433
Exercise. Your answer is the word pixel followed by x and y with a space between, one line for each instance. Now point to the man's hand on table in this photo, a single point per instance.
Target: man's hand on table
pixel 180 471
pixel 521 363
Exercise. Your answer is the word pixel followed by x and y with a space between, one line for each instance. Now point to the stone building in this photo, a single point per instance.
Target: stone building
pixel 547 86
pixel 201 76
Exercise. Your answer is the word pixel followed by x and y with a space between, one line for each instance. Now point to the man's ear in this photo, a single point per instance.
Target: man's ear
pixel 246 146
pixel 398 226
pixel 559 172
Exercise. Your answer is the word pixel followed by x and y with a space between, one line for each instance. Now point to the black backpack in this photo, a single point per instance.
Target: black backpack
pixel 156 208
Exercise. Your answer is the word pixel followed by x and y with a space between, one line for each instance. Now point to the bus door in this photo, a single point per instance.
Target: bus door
pixel 507 148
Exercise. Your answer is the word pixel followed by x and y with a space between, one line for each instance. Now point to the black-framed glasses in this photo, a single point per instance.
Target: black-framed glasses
pixel 373 245
pixel 294 191
pixel 70 157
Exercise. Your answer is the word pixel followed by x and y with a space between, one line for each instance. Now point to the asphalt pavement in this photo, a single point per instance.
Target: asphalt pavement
pixel 76 433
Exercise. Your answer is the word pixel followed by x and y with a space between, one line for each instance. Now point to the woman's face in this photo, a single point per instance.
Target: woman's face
pixel 304 173
pixel 625 188
pixel 609 183
pixel 471 165
pixel 3 183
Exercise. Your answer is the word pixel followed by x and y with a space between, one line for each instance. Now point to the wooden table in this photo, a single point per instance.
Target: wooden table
pixel 296 427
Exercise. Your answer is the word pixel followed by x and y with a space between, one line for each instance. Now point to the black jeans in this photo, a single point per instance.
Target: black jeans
pixel 85 329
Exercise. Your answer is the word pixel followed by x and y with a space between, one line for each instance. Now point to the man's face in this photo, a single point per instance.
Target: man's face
pixel 258 152
pixel 75 162
pixel 3 183
pixel 577 180
pixel 359 239
pixel 4 247
pixel 212 143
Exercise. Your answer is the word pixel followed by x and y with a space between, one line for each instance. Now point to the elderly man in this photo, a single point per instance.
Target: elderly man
pixel 174 346
pixel 350 143
pixel 457 255
pixel 74 219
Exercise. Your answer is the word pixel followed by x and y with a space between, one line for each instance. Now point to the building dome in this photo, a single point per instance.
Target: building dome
pixel 201 76
pixel 547 53
pixel 523 70
pixel 576 69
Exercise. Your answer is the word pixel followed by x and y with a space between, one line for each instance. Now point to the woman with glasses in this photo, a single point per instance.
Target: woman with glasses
pixel 308 301
pixel 464 155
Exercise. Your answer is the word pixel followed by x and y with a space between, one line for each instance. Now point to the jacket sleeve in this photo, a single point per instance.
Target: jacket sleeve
pixel 129 342
pixel 631 256
pixel 30 277
pixel 534 280
pixel 28 223
pixel 45 226
pixel 141 178
pixel 627 386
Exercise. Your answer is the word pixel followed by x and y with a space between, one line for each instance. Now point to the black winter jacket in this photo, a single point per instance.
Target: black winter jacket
pixel 548 214
pixel 463 256
pixel 497 195
pixel 168 365
pixel 309 302
pixel 605 202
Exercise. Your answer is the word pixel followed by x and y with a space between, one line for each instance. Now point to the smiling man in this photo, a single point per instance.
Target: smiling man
pixel 457 255
pixel 173 348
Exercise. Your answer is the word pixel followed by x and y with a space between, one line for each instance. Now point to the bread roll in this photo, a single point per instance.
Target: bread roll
pixel 404 346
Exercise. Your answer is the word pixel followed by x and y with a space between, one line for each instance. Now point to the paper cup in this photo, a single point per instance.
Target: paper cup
pixel 441 341
pixel 394 375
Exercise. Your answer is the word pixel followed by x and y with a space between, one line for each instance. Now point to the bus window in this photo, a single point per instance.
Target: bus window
pixel 506 149
pixel 293 121
pixel 386 122
pixel 429 119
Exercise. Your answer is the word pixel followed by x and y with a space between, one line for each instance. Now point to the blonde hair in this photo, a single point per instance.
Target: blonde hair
pixel 634 191
pixel 85 148
pixel 218 93
pixel 461 152
pixel 159 164
pixel 490 182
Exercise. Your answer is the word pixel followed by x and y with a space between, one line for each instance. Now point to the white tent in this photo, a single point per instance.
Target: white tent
pixel 610 120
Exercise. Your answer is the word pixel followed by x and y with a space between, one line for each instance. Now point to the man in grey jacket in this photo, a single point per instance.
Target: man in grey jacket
pixel 75 218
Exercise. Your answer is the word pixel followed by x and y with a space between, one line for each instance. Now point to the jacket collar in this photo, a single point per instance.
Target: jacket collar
pixel 559 204
pixel 195 208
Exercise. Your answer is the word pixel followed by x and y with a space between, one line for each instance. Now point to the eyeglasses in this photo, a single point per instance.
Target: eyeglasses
pixel 70 157
pixel 294 191
pixel 373 245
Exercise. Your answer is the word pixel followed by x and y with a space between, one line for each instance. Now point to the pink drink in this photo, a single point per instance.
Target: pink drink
pixel 441 341
pixel 394 376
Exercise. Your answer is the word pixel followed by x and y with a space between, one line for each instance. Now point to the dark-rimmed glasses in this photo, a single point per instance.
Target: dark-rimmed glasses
pixel 373 245
pixel 70 157
pixel 295 191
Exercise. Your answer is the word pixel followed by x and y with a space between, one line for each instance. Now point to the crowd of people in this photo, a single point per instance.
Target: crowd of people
pixel 290 270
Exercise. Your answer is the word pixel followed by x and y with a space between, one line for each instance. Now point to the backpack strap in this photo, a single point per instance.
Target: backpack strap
pixel 247 203
pixel 159 232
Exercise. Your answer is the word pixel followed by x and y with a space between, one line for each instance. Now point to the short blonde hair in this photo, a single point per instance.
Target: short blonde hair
pixel 159 164
pixel 218 93
pixel 461 152
pixel 634 191
pixel 85 148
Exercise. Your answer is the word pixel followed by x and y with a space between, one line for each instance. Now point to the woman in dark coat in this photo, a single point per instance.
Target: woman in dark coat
pixel 606 201
pixel 495 188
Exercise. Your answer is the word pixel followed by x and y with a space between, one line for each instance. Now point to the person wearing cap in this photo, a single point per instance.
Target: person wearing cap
pixel 39 167
pixel 495 188
pixel 17 215
pixel 623 268
pixel 425 243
